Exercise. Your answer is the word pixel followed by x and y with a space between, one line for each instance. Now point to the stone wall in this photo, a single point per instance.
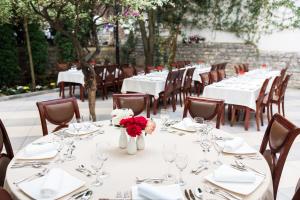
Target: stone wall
pixel 238 53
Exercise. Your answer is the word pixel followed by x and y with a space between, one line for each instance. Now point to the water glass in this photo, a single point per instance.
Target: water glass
pixel 181 163
pixel 100 157
pixel 164 116
pixel 199 125
pixel 205 145
pixel 219 149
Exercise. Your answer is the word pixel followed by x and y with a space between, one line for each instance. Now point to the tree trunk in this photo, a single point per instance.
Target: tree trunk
pixel 29 54
pixel 173 45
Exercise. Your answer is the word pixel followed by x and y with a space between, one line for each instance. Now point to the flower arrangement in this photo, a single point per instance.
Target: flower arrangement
pixel 135 125
pixel 159 68
pixel 264 66
pixel 119 114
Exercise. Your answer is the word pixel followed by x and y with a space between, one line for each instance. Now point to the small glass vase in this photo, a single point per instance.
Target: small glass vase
pixel 131 146
pixel 140 142
pixel 123 139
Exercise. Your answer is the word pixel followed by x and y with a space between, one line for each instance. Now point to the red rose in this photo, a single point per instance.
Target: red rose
pixel 141 121
pixel 133 130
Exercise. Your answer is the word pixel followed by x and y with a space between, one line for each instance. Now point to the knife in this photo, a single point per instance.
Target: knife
pixel 87 195
pixel 191 194
pixel 187 195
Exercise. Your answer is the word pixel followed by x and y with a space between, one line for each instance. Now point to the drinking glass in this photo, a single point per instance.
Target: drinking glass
pixel 71 147
pixel 100 157
pixel 219 149
pixel 181 163
pixel 169 155
pixel 205 145
pixel 164 116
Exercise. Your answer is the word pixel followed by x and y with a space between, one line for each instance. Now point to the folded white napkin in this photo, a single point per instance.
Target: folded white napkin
pixel 226 173
pixel 33 150
pixel 234 144
pixel 188 123
pixel 52 183
pixel 149 192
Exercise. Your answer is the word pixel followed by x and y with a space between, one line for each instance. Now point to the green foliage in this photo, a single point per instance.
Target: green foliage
pixel 39 48
pixel 127 49
pixel 66 48
pixel 9 69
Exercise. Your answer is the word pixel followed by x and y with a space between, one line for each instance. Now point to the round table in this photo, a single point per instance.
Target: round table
pixel 123 168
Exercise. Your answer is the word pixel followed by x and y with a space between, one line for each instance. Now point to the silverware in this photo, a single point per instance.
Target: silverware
pixel 243 166
pixel 198 193
pixel 207 189
pixel 201 170
pixel 149 180
pixel 241 157
pixel 83 172
pixel 34 165
pixel 84 168
pixel 187 195
pixel 37 175
pixel 196 169
pixel 228 193
pixel 191 194
pixel 78 193
pixel 86 195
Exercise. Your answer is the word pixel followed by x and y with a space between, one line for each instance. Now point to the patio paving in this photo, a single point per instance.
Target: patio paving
pixel 21 119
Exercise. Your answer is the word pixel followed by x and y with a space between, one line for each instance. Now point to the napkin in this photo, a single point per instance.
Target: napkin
pixel 33 150
pixel 166 192
pixel 234 144
pixel 226 173
pixel 188 123
pixel 52 183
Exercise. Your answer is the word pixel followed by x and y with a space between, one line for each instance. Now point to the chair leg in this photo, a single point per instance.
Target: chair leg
pixel 257 115
pixel 247 119
pixel 165 102
pixel 180 99
pixel 283 112
pixel 155 105
pixel 262 117
pixel 268 113
pixel 278 105
pixel 173 103
pixel 232 121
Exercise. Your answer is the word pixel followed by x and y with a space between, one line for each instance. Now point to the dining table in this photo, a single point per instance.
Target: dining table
pixel 154 83
pixel 123 169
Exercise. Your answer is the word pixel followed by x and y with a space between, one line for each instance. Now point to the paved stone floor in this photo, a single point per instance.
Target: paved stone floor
pixel 21 119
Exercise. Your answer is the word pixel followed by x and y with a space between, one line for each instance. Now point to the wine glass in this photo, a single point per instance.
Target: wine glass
pixel 181 162
pixel 71 147
pixel 219 149
pixel 205 145
pixel 99 158
pixel 169 155
pixel 164 116
pixel 199 125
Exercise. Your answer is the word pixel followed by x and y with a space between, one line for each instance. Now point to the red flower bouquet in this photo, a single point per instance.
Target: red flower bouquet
pixel 135 125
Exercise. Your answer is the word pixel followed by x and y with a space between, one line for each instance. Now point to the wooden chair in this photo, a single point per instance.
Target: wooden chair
pixel 58 112
pixel 213 76
pixel 279 137
pixel 136 102
pixel 258 111
pixel 205 80
pixel 221 74
pixel 110 78
pixel 204 107
pixel 222 66
pixel 178 85
pixel 279 99
pixel 187 85
pixel 6 154
pixel 214 67
pixel 99 71
pixel 236 69
pixel 245 67
pixel 297 191
pixel 268 98
pixel 169 90
pixel 5 195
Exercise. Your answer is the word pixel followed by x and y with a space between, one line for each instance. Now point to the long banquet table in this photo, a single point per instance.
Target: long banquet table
pixel 123 168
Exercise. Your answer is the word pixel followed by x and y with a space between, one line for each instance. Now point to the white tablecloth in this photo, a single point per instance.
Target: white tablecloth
pixel 71 76
pixel 154 83
pixel 123 168
pixel 242 90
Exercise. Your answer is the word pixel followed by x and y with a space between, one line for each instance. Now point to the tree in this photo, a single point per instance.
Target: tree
pixel 77 11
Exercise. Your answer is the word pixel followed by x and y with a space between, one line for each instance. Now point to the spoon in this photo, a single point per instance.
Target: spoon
pixel 198 193
pixel 84 168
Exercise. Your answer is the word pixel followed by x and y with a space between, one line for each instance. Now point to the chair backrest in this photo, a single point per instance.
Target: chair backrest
pixel 214 67
pixel 297 191
pixel 284 86
pixel 261 94
pixel 221 66
pixel 58 112
pixel 188 79
pixel 110 73
pixel 279 137
pixel 136 102
pixel 5 195
pixel 221 74
pixel 6 157
pixel 128 71
pixel 213 76
pixel 99 71
pixel 204 107
pixel 179 79
pixel 245 67
pixel 171 82
pixel 236 69
pixel 205 78
pixel 272 89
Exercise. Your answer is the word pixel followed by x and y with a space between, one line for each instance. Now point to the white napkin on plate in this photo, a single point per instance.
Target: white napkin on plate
pixel 150 192
pixel 226 173
pixel 52 183
pixel 33 149
pixel 188 123
pixel 234 144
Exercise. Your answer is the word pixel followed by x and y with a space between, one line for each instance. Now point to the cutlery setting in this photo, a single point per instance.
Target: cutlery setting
pixel 189 194
pixel 32 177
pixel 33 164
pixel 199 169
pixel 250 156
pixel 221 193
pixel 149 180
pixel 242 167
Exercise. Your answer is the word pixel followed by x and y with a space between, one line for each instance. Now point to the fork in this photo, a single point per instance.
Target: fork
pixel 242 165
pixel 37 175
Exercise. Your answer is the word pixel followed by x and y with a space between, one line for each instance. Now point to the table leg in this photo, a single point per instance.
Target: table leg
pixel 247 118
pixel 62 86
pixel 82 93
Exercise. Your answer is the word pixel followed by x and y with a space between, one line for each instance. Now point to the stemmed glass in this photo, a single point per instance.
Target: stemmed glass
pixel 87 122
pixel 100 157
pixel 164 116
pixel 181 163
pixel 219 149
pixel 199 126
pixel 169 155
pixel 71 147
pixel 205 145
